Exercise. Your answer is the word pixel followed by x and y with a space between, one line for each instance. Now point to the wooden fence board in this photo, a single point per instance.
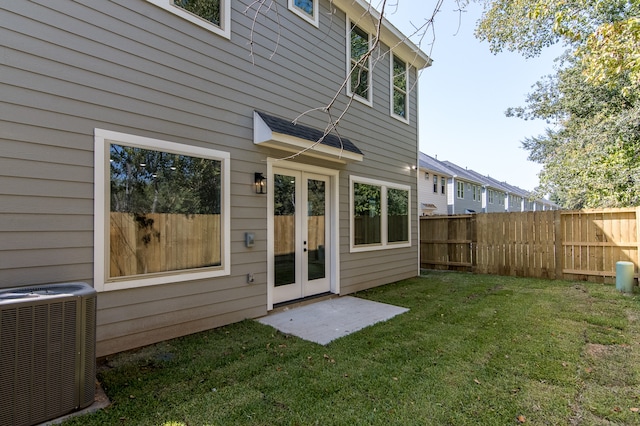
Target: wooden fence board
pixel 158 242
pixel 574 245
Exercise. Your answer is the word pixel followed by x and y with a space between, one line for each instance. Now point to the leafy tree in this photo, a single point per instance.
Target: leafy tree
pixel 604 34
pixel 206 9
pixel 367 200
pixel 591 156
pixel 147 181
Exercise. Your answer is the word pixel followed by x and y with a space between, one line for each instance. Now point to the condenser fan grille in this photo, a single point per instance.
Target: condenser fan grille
pixel 47 353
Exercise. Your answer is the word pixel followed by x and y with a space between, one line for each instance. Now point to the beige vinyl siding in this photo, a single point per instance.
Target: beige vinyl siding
pixel 128 66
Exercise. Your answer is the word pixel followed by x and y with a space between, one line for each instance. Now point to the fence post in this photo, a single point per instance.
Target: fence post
pixel 559 246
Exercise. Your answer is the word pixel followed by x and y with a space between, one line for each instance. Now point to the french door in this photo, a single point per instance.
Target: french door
pixel 301 234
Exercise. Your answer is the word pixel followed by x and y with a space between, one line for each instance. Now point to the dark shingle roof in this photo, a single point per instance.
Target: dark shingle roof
pixel 280 125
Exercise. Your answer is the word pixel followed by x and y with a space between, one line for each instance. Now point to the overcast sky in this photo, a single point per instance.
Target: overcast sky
pixel 464 94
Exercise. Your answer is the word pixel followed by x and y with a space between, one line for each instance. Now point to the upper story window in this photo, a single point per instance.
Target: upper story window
pixel 213 15
pixel 460 189
pixel 161 212
pixel 306 9
pixel 359 63
pixel 435 184
pixel 399 88
pixel 442 185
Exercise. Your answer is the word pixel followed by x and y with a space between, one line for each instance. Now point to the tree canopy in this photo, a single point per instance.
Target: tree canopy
pixel 590 156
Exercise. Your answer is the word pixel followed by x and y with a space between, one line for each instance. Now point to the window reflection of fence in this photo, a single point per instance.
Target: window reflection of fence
pixel 149 243
pixel 366 230
pixel 398 228
pixel 284 234
pixel 576 245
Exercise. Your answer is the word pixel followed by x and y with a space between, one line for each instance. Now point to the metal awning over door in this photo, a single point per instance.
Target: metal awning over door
pixel 275 132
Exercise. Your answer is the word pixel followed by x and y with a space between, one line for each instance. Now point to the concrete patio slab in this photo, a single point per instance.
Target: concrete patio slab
pixel 325 321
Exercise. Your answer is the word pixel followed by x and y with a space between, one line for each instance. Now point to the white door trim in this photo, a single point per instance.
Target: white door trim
pixel 334 231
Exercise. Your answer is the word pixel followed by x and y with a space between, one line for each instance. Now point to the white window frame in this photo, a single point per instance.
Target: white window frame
pixel 384 243
pixel 223 30
pixel 312 19
pixel 460 190
pixel 367 101
pixel 393 88
pixel 102 141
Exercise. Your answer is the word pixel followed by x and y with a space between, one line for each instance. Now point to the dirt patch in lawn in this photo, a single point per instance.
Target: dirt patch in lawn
pixel 595 350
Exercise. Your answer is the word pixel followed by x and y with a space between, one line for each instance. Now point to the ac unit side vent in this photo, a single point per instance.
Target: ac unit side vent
pixel 47 352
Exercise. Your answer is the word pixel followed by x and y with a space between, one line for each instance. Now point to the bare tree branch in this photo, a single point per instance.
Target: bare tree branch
pixel 260 5
pixel 374 54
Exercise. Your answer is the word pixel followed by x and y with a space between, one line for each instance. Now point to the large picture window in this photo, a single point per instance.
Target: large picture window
pixel 213 15
pixel 380 217
pixel 161 211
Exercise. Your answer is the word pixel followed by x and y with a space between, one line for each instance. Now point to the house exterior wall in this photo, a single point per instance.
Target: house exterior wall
pixel 514 203
pixel 498 204
pixel 466 203
pixel 426 193
pixel 128 66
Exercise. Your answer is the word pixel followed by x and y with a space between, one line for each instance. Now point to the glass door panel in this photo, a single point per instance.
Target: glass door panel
pixel 316 229
pixel 284 217
pixel 300 230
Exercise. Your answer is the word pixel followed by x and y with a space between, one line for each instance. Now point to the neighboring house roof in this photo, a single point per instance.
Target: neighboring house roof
pixel 447 168
pixel 517 191
pixel 284 134
pixel 429 163
pixel 462 173
pixel 490 182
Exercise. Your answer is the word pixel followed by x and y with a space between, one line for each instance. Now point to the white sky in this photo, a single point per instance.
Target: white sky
pixel 464 94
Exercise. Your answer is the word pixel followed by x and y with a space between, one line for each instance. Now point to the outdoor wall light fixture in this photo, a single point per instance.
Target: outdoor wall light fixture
pixel 261 183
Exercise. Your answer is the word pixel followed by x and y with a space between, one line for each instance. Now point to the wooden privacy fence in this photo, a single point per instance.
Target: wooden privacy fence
pixel 285 232
pixel 574 245
pixel 161 242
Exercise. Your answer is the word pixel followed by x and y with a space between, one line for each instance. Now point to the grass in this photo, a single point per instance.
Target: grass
pixel 472 350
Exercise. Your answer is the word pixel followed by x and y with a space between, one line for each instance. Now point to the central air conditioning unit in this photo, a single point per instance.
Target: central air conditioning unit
pixel 47 352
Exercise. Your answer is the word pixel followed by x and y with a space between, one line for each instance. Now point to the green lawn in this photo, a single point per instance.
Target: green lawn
pixel 472 350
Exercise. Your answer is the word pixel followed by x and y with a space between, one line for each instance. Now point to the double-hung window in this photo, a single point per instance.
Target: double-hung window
pixel 442 185
pixel 161 212
pixel 399 88
pixel 435 184
pixel 359 63
pixel 306 9
pixel 213 15
pixel 460 186
pixel 380 215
